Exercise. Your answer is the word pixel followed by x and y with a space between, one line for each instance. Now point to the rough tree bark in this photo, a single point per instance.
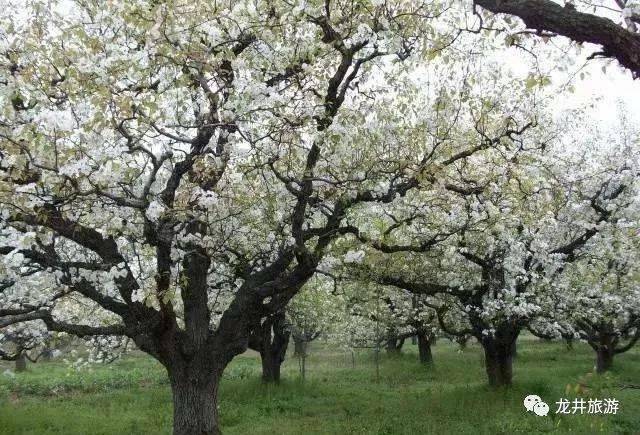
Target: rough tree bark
pixel 194 385
pixel 616 41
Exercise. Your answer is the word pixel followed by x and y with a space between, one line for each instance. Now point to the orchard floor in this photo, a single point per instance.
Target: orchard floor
pixel 132 396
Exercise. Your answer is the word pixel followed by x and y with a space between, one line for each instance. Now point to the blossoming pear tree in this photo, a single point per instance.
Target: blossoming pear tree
pixel 180 168
pixel 597 298
pixel 22 343
pixel 493 255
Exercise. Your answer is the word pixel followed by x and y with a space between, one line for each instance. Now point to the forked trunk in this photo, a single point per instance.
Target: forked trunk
pixel 195 398
pixel 424 349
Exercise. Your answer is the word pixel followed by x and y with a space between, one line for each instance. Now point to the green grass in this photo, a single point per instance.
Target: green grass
pixel 132 396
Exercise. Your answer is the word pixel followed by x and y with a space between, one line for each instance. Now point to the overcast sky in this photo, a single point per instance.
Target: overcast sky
pixel 611 87
pixel 599 81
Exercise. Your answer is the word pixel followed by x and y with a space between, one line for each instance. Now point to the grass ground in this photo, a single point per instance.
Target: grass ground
pixel 132 395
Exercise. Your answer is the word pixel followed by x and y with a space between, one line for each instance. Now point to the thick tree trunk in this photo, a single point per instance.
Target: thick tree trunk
pixel 21 363
pixel 498 356
pixel 195 391
pixel 424 349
